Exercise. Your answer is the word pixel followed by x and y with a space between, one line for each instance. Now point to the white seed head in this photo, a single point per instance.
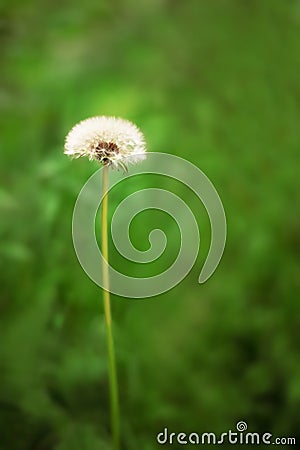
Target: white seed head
pixel 111 141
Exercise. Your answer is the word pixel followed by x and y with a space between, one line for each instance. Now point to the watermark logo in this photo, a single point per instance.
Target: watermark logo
pixel 165 165
pixel 241 426
pixel 237 437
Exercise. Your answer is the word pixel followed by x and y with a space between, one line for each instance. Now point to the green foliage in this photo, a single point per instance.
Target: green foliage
pixel 217 83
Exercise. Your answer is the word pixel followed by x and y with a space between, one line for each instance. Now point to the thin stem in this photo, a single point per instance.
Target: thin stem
pixel 113 382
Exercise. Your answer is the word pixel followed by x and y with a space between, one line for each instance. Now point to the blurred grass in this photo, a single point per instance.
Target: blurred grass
pixel 214 82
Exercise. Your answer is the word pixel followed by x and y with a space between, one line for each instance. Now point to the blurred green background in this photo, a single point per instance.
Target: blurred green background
pixel 216 82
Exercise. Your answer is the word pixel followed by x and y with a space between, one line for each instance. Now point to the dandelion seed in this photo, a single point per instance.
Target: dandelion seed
pixel 111 141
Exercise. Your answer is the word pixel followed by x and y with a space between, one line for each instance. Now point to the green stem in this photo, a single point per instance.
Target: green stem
pixel 113 382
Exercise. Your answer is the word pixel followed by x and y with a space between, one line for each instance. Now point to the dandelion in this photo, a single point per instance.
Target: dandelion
pixel 111 141
pixel 114 143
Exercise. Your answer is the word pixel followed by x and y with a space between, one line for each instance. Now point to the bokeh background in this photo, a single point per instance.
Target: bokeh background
pixel 217 83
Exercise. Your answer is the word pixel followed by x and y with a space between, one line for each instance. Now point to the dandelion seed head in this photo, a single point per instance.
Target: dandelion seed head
pixel 111 141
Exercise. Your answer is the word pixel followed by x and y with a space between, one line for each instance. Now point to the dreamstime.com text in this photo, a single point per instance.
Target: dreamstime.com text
pixel 240 436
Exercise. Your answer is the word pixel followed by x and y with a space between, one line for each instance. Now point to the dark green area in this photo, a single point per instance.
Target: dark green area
pixel 216 82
